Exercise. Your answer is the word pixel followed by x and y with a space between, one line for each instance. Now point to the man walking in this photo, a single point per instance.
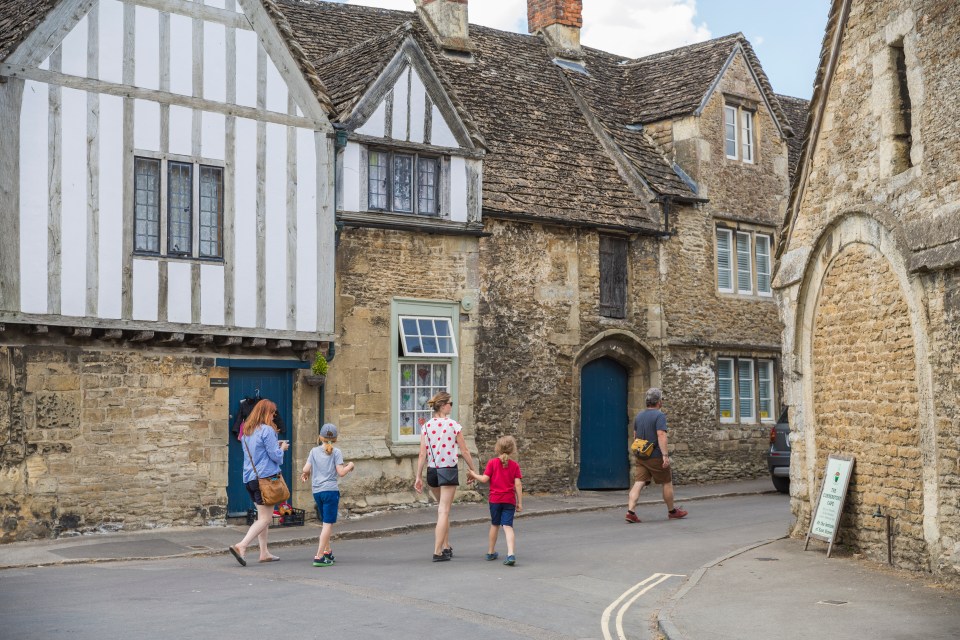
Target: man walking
pixel 651 425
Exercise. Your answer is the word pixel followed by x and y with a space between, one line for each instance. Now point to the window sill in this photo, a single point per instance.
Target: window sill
pixel 408 222
pixel 176 258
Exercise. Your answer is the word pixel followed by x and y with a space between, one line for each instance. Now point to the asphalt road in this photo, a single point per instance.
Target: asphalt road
pixel 586 575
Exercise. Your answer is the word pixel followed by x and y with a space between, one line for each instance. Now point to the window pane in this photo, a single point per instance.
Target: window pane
pixel 418 383
pixel 179 208
pixel 427 171
pixel 744 275
pixel 421 336
pixel 426 327
pixel 724 266
pixel 211 212
pixel 765 388
pixel 377 180
pixel 725 387
pixel 146 214
pixel 763 263
pixel 746 134
pixel 403 183
pixel 412 344
pixel 730 131
pixel 745 389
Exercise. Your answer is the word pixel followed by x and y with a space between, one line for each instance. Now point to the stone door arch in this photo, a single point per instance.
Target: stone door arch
pixel 632 354
pixel 865 389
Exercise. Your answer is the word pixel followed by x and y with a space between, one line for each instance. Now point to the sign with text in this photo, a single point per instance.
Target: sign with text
pixel 833 494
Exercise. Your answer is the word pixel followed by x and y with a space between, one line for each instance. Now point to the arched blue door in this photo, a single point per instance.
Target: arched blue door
pixel 277 385
pixel 604 461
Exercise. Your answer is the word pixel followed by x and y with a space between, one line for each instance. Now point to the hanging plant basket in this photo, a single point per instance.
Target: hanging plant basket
pixel 315 381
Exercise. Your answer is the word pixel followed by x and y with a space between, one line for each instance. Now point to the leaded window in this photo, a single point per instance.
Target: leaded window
pixel 403 183
pixel 420 381
pixel 211 212
pixel 146 214
pixel 180 208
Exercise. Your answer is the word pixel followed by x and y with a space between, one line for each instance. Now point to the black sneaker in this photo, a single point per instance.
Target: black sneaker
pixel 441 558
pixel 447 552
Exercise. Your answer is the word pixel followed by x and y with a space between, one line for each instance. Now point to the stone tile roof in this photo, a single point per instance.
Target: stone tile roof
pixel 543 159
pixel 17 19
pixel 796 110
pixel 673 83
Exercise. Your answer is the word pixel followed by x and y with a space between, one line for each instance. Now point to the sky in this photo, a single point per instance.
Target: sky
pixel 786 34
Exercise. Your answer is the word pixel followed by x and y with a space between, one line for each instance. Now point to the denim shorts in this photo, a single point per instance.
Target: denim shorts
pixel 327 504
pixel 501 514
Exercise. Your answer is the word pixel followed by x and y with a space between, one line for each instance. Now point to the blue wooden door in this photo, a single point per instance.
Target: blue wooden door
pixel 604 455
pixel 275 385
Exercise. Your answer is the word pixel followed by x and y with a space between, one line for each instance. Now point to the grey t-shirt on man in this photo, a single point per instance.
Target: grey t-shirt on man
pixel 324 469
pixel 646 425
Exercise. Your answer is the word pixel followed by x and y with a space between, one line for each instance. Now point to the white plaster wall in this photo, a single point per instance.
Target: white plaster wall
pixel 351 177
pixel 418 104
pixel 246 68
pixel 440 134
pixel 109 269
pixel 211 294
pixel 213 135
pixel 276 89
pixel 34 197
pixel 146 282
pixel 307 267
pixel 179 292
pixel 374 126
pixel 147 67
pixel 111 43
pixel 73 271
pixel 146 126
pixel 458 189
pixel 245 224
pixel 276 227
pixel 401 108
pixel 74 48
pixel 181 130
pixel 181 55
pixel 214 61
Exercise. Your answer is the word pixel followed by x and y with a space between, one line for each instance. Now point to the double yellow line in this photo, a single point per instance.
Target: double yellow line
pixel 640 588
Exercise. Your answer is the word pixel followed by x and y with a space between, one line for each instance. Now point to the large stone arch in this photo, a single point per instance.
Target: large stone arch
pixel 865 384
pixel 631 352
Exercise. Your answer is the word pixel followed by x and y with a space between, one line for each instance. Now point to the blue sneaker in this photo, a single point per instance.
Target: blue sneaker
pixel 510 561
pixel 493 556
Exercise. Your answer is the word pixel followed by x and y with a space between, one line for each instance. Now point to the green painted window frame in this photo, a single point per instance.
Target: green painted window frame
pixel 422 308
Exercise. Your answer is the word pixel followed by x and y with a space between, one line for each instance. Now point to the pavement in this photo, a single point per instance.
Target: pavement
pixel 781 590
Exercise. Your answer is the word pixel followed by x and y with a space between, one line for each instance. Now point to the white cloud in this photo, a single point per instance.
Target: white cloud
pixel 645 27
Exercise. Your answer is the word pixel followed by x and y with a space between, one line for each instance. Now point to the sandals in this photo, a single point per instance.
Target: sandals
pixel 236 554
pixel 272 558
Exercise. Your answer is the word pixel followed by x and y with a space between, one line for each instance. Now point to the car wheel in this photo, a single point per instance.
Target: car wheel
pixel 781 484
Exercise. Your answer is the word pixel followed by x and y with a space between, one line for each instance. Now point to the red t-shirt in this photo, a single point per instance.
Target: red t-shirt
pixel 501 480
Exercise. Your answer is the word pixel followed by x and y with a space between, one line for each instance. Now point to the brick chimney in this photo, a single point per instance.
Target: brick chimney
pixel 559 22
pixel 447 21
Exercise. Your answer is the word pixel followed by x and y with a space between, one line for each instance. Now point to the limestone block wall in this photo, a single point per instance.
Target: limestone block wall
pixel 108 439
pixel 374 266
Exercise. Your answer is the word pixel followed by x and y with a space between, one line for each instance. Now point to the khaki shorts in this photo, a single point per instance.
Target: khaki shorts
pixel 652 468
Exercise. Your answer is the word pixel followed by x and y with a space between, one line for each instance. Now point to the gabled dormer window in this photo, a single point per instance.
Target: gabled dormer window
pixel 404 182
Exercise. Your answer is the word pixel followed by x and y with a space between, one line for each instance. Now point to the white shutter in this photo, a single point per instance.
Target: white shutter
pixel 725 388
pixel 724 261
pixel 745 389
pixel 765 388
pixel 763 264
pixel 744 263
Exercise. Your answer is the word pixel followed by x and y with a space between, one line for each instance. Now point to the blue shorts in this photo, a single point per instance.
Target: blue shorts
pixel 327 504
pixel 501 514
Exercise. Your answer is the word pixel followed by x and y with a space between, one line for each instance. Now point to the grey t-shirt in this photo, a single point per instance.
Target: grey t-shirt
pixel 646 425
pixel 324 469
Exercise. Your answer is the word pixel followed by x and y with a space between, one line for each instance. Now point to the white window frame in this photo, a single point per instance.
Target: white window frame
pixel 413 415
pixel 739 251
pixel 738 121
pixel 728 253
pixel 436 321
pixel 420 309
pixel 758 370
pixel 761 274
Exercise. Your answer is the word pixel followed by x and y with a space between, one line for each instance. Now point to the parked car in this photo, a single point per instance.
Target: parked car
pixel 778 458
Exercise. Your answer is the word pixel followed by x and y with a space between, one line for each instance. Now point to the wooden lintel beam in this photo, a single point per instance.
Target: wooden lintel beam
pixel 141 336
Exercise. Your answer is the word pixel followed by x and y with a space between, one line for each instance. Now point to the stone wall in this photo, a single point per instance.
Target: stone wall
pixel 865 219
pixel 374 267
pixel 109 439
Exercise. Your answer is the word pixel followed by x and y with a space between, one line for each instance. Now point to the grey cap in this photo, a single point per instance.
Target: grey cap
pixel 328 430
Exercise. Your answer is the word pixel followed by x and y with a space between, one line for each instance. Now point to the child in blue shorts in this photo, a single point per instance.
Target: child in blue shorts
pixel 506 495
pixel 325 467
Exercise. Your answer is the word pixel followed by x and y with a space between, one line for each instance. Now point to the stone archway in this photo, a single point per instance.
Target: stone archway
pixel 632 354
pixel 865 388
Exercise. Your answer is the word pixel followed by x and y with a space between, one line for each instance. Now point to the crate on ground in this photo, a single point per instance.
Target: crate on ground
pixel 294 519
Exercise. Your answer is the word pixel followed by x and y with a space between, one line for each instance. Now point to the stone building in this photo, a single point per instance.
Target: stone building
pixel 869 285
pixel 540 228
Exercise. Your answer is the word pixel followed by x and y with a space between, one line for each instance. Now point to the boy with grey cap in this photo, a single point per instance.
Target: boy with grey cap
pixel 325 467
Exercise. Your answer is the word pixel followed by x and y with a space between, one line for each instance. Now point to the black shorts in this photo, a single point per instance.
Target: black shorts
pixel 253 488
pixel 443 477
